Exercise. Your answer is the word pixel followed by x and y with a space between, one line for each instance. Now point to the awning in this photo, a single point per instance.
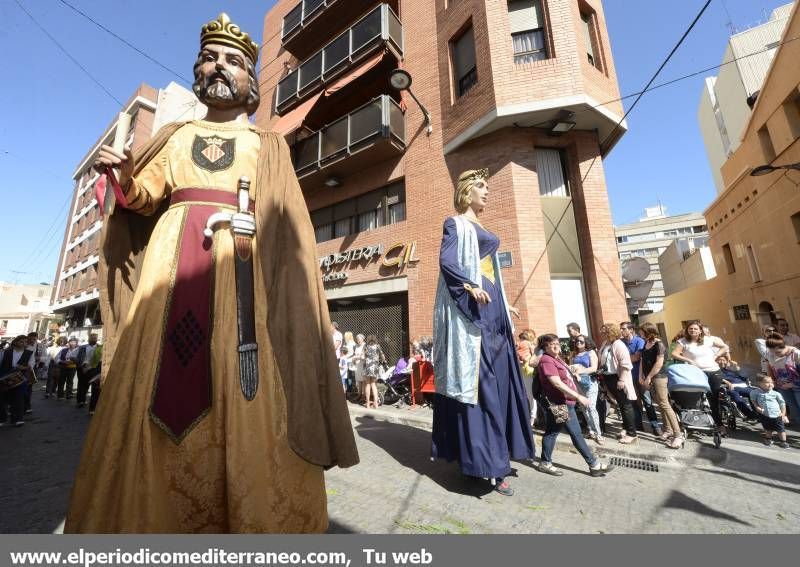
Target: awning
pixel 354 74
pixel 290 122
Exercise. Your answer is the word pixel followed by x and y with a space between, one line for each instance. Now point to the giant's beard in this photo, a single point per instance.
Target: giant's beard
pixel 214 93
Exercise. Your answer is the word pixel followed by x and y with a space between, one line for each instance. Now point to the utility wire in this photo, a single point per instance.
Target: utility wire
pixel 61 47
pixel 653 78
pixel 126 42
pixel 613 131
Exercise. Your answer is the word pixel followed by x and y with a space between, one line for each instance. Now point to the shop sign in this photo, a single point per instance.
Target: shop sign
pixel 400 254
pixel 334 277
pixel 367 253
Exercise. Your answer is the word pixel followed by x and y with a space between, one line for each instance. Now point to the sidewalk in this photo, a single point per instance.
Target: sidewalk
pixel 648 448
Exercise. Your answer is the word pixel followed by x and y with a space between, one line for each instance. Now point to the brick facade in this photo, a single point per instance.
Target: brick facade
pixel 514 212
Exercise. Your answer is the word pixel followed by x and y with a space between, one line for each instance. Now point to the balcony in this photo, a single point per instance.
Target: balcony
pixel 379 29
pixel 312 22
pixel 370 134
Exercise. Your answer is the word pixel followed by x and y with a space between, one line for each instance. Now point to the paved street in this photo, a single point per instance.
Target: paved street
pixel 743 488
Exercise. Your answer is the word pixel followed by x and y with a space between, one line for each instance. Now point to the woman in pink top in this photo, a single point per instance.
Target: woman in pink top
pixel 615 366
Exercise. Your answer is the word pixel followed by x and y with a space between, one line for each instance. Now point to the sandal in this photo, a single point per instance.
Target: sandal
pixel 601 469
pixel 504 488
pixel 548 468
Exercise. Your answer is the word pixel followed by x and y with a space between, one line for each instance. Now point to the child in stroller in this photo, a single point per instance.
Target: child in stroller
pixel 735 397
pixel 689 390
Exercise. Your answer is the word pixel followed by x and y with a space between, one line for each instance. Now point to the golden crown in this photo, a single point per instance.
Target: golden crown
pixel 223 31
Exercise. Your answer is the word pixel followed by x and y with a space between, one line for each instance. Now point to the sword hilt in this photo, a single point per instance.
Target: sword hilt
pixel 244 194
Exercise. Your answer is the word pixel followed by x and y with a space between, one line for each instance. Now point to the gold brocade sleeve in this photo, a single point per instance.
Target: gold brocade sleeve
pixel 151 185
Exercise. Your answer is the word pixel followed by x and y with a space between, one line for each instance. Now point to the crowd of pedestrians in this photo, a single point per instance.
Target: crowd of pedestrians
pixel 627 374
pixel 55 364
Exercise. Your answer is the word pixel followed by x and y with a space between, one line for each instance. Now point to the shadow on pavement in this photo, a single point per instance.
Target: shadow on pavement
pixel 410 447
pixel 338 528
pixel 681 501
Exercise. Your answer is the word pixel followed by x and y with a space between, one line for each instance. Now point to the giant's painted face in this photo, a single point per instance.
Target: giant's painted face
pixel 222 77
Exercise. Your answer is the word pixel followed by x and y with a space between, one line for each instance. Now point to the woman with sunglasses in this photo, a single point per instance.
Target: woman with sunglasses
pixel 584 365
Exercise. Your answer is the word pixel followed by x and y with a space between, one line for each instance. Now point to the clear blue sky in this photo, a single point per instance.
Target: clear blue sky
pixel 52 113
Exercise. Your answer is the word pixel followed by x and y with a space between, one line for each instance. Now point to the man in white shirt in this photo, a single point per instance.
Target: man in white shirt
pixel 789 338
pixel 83 361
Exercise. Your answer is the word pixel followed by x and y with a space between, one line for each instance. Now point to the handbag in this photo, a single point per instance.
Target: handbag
pixel 560 412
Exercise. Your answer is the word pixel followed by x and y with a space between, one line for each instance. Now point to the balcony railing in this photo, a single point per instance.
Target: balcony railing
pixel 378 28
pixel 300 14
pixel 380 119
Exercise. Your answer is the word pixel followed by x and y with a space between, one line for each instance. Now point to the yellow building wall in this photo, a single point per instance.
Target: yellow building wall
pixel 707 302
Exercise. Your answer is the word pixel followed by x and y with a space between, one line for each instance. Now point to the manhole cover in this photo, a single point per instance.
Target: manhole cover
pixel 634 464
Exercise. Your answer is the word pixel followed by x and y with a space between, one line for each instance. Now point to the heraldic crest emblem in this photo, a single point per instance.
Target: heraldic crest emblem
pixel 213 153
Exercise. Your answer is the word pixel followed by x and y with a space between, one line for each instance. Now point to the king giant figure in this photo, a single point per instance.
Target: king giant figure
pixel 221 405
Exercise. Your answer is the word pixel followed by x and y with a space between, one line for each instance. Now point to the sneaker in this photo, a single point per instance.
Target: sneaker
pixel 767 441
pixel 28 411
pixel 46 396
pixel 80 405
pixel 20 423
pixel 548 468
pixel 783 444
pixel 601 469
pixel 91 413
pixel 504 488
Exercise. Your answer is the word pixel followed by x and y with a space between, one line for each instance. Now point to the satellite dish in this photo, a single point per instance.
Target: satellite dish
pixel 639 291
pixel 635 269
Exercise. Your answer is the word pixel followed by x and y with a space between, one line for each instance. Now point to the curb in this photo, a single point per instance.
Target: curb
pixel 681 457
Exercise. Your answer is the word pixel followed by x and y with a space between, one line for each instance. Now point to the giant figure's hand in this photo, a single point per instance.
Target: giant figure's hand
pixel 108 157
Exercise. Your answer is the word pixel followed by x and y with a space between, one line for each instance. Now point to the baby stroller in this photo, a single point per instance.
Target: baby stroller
pixel 689 390
pixel 397 388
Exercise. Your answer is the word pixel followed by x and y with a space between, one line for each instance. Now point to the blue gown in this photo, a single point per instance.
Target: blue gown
pixel 483 437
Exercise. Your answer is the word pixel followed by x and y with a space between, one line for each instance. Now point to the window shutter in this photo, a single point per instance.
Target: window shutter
pixel 464 53
pixel 524 15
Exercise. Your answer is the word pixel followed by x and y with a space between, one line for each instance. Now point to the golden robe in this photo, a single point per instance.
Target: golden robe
pixel 246 466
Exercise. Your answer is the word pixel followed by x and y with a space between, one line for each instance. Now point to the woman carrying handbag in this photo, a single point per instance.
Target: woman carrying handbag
pixel 560 395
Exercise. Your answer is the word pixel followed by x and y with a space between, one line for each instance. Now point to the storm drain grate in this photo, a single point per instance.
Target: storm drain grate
pixel 634 464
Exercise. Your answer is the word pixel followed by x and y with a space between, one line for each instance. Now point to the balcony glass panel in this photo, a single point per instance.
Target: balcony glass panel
pixel 367 29
pixel 287 87
pixel 395 29
pixel 397 123
pixel 311 7
pixel 366 121
pixel 311 70
pixel 306 152
pixel 292 20
pixel 337 51
pixel 334 138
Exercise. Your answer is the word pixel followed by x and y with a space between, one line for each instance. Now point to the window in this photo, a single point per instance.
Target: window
pixel 796 225
pixel 365 212
pixel 791 108
pixel 527 30
pixel 741 312
pixel 766 144
pixel 592 52
pixel 464 68
pixel 550 170
pixel 726 251
pixel 753 264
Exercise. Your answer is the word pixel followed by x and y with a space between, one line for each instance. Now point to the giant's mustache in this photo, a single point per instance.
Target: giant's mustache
pixel 227 80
